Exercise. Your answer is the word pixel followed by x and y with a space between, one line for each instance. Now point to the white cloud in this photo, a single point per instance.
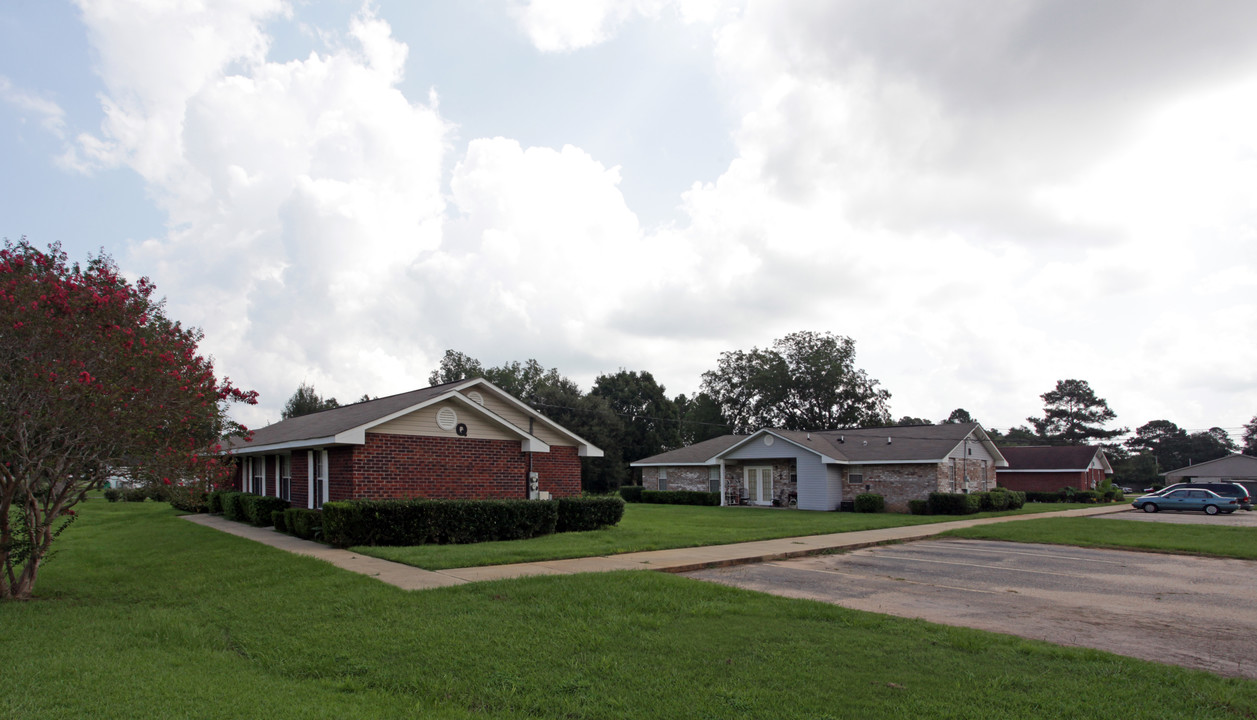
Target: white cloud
pixel 50 114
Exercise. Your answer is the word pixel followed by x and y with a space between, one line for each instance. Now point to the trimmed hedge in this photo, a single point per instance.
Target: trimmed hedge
pixel 134 494
pixel 953 503
pixel 232 507
pixel 304 523
pixel 216 502
pixel 870 503
pixel 192 502
pixel 918 507
pixel 257 509
pixel 277 519
pixel 113 494
pixel 581 514
pixel 632 493
pixel 420 522
pixel 680 497
pixel 1044 497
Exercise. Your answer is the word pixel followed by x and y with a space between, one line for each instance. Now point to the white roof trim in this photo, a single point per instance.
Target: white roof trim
pixel 250 449
pixel 585 448
pixel 1058 470
pixel 765 431
pixel 531 443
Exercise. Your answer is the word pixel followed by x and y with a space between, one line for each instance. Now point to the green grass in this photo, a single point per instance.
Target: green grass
pixel 1107 532
pixel 145 615
pixel 659 527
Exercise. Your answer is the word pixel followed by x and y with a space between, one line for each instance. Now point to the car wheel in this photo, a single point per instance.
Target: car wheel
pixel 1150 507
pixel 1211 509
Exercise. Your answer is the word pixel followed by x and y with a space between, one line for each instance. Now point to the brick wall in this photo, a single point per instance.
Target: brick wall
pixel 407 466
pixel 1044 481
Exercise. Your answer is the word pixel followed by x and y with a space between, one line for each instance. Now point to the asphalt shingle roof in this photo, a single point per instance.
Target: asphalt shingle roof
pixel 1048 457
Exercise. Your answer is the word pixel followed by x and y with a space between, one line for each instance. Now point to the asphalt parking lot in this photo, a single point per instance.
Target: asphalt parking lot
pixel 1190 611
pixel 1239 518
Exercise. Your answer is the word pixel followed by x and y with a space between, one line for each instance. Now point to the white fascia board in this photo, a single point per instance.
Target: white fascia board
pixel 584 447
pixel 991 449
pixel 709 463
pixel 529 443
pixel 1058 470
pixel 290 445
pixel 765 431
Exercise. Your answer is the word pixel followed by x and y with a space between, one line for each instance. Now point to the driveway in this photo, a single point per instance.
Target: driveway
pixel 1189 611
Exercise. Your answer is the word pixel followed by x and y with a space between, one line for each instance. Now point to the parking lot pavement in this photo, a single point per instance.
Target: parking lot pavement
pixel 1240 518
pixel 1189 611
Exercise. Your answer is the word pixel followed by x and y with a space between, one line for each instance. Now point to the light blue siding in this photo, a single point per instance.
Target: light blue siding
pixel 820 486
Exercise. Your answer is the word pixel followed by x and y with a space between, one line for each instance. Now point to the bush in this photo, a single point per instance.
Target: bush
pixel 256 509
pixel 680 497
pixel 995 500
pixel 419 522
pixel 1086 496
pixel 869 503
pixel 588 513
pixel 632 493
pixel 232 509
pixel 134 495
pixel 303 523
pixel 953 504
pixel 189 501
pixel 1016 498
pixel 157 493
pixel 1109 495
pixel 216 501
pixel 1044 497
pixel 113 494
pixel 277 519
pixel 918 507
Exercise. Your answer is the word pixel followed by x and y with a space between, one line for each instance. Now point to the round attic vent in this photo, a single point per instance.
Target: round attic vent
pixel 446 418
pixel 768 439
pixel 476 397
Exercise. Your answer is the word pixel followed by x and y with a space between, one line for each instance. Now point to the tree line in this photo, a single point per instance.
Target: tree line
pixel 803 381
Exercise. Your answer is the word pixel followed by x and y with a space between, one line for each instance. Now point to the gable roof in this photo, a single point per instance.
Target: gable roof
pixel 908 443
pixel 348 424
pixel 1061 458
pixel 1235 465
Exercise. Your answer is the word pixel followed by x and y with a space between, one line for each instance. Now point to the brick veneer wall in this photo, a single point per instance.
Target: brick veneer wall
pixel 690 477
pixel 407 466
pixel 1047 481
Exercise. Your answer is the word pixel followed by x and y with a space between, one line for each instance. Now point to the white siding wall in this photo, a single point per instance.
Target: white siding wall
pixel 423 422
pixel 519 419
pixel 977 451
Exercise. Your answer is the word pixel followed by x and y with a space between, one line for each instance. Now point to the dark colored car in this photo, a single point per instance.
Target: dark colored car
pixel 1188 499
pixel 1225 489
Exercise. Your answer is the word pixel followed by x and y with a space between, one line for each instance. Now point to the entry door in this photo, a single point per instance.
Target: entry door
pixel 759 483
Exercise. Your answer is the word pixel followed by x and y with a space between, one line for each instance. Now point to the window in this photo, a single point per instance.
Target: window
pixel 855 478
pixel 713 479
pixel 318 478
pixel 285 477
pixel 663 478
pixel 256 468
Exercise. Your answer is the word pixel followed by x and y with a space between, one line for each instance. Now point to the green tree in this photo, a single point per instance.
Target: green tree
pixel 1171 447
pixel 805 381
pixel 95 380
pixel 701 418
pixel 959 416
pixel 1250 436
pixel 649 420
pixel 909 420
pixel 305 401
pixel 1074 415
pixel 456 366
pixel 1016 436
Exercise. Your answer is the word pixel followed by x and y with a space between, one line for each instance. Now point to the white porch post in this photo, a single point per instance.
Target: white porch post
pixel 723 493
pixel 310 479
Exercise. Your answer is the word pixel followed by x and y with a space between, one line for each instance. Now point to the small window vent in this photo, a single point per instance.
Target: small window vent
pixel 476 397
pixel 446 418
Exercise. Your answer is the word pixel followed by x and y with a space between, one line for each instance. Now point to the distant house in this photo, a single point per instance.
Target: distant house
pixel 467 439
pixel 821 470
pixel 1235 468
pixel 1052 468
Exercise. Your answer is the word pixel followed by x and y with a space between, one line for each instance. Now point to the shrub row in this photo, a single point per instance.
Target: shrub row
pixel 1072 495
pixel 304 523
pixel 136 494
pixel 632 493
pixel 680 497
pixel 588 513
pixel 966 504
pixel 256 510
pixel 869 503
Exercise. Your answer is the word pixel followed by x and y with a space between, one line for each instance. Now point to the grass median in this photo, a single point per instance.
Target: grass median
pixel 1111 532
pixel 145 615
pixel 660 527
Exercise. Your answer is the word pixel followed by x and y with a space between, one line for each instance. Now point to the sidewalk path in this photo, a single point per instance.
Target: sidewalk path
pixel 675 560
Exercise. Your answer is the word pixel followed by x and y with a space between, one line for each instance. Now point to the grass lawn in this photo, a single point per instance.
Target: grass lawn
pixel 1219 540
pixel 659 527
pixel 145 615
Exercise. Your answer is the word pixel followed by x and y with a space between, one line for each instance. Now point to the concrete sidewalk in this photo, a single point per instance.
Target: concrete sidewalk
pixel 674 560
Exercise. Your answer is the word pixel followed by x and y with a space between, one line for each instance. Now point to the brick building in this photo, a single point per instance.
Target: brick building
pixel 467 439
pixel 822 470
pixel 1052 468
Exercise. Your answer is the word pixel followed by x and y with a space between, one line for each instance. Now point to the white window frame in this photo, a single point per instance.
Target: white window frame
pixel 758 490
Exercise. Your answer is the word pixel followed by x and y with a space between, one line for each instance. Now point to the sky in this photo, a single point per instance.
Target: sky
pixel 986 196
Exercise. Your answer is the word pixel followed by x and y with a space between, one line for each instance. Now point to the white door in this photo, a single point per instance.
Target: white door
pixel 759 484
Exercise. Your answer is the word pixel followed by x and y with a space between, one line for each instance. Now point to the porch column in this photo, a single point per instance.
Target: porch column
pixel 723 494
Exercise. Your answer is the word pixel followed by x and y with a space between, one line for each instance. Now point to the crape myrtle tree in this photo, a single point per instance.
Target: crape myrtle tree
pixel 805 381
pixel 95 381
pixel 1074 415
